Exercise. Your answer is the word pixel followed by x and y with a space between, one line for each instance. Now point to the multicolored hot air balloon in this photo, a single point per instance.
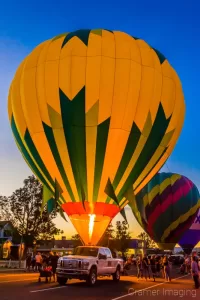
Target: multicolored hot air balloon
pixel 93 113
pixel 192 236
pixel 166 207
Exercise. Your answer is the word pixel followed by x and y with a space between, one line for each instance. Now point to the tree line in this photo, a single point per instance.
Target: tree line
pixel 118 237
pixel 23 210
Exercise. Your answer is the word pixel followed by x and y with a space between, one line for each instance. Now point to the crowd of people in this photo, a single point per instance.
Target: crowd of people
pixel 38 262
pixel 153 266
pixel 148 267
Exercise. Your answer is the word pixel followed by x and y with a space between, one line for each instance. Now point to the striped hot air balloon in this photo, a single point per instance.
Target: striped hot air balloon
pixel 166 207
pixel 191 236
pixel 93 112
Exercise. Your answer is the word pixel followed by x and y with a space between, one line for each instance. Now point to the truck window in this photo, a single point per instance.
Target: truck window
pixel 86 251
pixel 101 251
pixel 108 253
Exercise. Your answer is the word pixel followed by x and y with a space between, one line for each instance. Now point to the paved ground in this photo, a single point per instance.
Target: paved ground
pixel 25 286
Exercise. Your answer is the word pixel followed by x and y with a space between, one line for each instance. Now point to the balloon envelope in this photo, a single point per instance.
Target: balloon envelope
pixel 192 236
pixel 96 111
pixel 166 207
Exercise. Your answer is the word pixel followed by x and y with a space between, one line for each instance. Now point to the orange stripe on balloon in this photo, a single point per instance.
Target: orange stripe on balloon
pixel 100 208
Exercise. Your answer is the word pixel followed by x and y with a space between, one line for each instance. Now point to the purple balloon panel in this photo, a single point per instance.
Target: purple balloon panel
pixel 192 235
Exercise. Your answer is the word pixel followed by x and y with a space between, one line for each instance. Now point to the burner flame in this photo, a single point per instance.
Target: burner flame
pixel 91 226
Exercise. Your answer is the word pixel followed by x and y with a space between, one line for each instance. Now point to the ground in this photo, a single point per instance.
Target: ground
pixel 25 286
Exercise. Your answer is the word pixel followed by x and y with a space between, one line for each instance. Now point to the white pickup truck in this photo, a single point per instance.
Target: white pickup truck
pixel 87 263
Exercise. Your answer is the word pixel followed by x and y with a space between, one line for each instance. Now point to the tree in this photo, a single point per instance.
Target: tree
pixel 149 243
pixel 23 210
pixel 76 240
pixel 108 235
pixel 123 237
pixel 5 214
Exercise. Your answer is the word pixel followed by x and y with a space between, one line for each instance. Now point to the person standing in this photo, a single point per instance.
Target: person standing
pixel 33 263
pixel 157 259
pixel 153 266
pixel 162 266
pixel 124 257
pixel 145 264
pixel 195 272
pixel 194 254
pixel 139 268
pixel 28 262
pixel 166 269
pixel 187 264
pixel 53 261
pixel 127 265
pixel 170 261
pixel 38 260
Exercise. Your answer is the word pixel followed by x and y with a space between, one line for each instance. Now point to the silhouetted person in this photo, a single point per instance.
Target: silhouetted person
pixel 195 272
pixel 28 262
pixel 53 261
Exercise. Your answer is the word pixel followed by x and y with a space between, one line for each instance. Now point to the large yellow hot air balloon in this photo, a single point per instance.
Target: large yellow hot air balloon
pixel 95 112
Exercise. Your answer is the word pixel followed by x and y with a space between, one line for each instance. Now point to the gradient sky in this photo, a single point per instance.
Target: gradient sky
pixel 172 26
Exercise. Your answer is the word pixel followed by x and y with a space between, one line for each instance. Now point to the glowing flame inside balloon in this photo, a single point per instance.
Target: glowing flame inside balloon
pixel 91 225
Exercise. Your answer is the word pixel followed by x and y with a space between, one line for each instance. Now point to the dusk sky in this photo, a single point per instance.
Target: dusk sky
pixel 172 26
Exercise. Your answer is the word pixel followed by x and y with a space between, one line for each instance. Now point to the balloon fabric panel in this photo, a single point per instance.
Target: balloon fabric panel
pixel 191 236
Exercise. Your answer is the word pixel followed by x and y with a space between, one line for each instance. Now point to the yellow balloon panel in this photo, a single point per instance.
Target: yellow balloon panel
pixel 90 229
pixel 120 92
pixel 93 75
pixel 32 60
pixel 122 45
pixel 108 44
pixel 28 90
pixel 146 96
pixel 54 50
pixel 133 93
pixel 106 88
pixel 64 75
pixel 158 79
pixel 52 92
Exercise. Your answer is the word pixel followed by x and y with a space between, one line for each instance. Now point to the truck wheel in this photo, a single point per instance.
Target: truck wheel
pixel 92 277
pixel 116 275
pixel 62 281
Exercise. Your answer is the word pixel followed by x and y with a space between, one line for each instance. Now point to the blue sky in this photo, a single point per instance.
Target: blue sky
pixel 173 27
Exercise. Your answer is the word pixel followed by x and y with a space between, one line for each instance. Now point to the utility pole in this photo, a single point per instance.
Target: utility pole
pixel 20 253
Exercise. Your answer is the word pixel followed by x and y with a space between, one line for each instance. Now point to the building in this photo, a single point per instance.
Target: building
pixel 6 229
pixel 65 246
